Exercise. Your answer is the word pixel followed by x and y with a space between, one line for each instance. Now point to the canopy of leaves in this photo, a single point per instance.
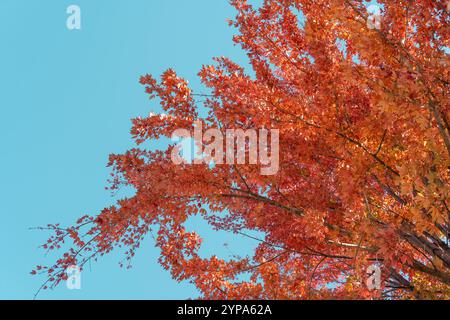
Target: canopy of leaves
pixel 364 159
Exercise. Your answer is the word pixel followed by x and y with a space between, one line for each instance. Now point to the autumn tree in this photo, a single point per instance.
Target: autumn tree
pixel 362 110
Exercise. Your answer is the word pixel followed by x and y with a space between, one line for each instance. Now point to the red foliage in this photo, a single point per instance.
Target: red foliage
pixel 364 155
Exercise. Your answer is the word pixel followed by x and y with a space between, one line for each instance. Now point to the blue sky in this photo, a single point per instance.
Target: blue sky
pixel 66 101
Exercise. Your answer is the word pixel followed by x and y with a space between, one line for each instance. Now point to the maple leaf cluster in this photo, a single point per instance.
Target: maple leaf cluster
pixel 364 159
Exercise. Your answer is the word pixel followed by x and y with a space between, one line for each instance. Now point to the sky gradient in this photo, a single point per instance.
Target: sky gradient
pixel 67 97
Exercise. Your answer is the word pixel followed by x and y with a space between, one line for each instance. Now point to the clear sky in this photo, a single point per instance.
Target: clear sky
pixel 66 100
